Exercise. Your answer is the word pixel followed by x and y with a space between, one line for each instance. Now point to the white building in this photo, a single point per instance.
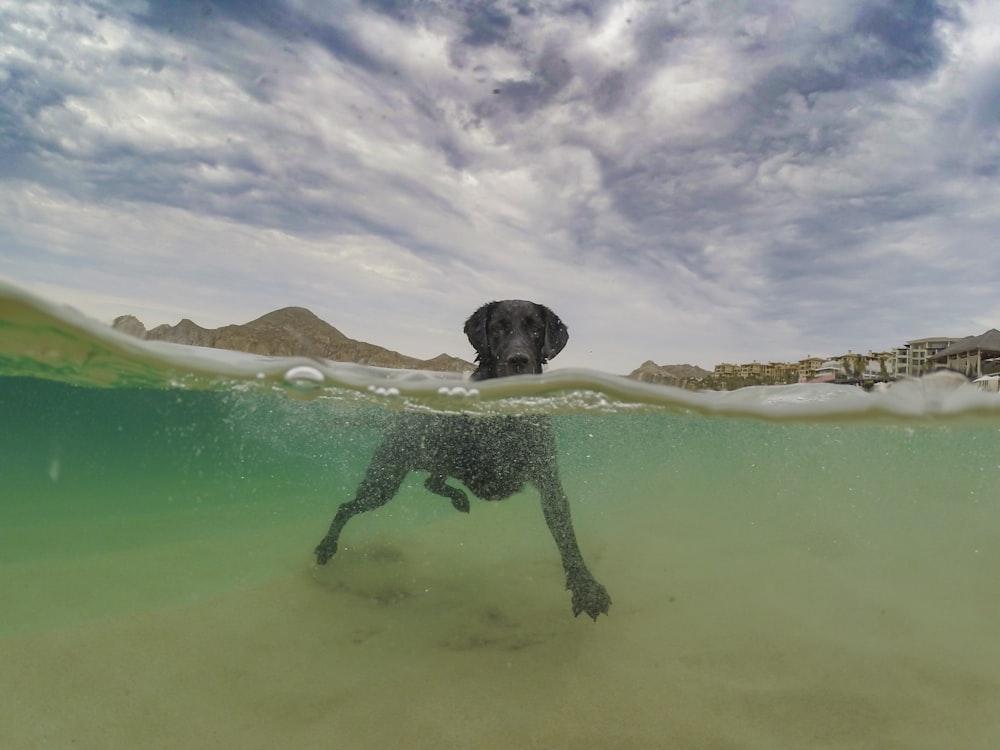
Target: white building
pixel 916 357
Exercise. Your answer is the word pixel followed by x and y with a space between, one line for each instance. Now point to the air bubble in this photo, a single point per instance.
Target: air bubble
pixel 304 377
pixel 457 391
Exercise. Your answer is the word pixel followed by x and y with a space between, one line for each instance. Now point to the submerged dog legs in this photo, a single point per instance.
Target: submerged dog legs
pixel 379 486
pixel 588 595
pixel 437 483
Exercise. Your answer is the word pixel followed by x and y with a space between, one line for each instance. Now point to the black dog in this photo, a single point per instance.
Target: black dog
pixel 492 456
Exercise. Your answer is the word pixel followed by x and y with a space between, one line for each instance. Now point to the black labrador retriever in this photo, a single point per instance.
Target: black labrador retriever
pixel 492 456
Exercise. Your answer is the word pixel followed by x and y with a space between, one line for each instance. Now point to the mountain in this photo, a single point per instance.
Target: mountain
pixel 291 331
pixel 297 332
pixel 683 376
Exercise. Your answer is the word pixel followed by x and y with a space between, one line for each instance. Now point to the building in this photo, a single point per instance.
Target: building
pixel 785 371
pixel 828 372
pixel 881 366
pixel 916 357
pixel 807 367
pixel 726 370
pixel 869 367
pixel 974 355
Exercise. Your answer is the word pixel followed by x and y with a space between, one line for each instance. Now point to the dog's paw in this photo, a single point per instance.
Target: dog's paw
pixel 325 550
pixel 589 596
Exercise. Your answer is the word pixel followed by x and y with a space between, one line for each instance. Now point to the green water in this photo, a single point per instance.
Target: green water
pixel 822 579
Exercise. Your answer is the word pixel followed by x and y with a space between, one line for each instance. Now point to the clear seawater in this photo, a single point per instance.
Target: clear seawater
pixel 791 567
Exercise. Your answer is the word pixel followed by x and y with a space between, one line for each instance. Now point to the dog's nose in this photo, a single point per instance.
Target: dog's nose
pixel 517 361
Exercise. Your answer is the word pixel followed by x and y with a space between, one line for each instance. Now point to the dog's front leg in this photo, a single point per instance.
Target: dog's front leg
pixel 588 595
pixel 380 485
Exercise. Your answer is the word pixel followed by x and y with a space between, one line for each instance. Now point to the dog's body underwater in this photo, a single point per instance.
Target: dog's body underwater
pixel 495 457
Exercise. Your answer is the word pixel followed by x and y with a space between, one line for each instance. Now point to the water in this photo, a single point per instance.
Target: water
pixel 790 567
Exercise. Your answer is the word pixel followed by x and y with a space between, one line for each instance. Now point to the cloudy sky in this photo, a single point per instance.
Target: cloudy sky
pixel 680 181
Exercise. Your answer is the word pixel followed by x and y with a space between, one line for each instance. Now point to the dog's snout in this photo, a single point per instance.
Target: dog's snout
pixel 517 362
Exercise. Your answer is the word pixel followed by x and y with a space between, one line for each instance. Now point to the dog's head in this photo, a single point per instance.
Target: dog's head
pixel 514 337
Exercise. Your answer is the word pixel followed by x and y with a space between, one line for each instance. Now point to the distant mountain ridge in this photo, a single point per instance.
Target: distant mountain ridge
pixel 288 332
pixel 298 332
pixel 682 376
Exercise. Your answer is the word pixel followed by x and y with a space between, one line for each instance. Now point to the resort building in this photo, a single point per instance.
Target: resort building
pixel 828 372
pixel 874 366
pixel 806 368
pixel 916 357
pixel 726 370
pixel 759 372
pixel 974 355
pixel 881 365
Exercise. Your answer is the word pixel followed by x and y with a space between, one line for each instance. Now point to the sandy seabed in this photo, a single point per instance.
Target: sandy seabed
pixel 460 635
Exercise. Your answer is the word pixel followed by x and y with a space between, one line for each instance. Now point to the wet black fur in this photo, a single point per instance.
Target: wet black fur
pixel 494 457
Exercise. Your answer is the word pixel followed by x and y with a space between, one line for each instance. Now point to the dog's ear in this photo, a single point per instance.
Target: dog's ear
pixel 556 334
pixel 475 329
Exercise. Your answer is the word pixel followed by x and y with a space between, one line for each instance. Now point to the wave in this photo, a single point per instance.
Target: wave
pixel 43 340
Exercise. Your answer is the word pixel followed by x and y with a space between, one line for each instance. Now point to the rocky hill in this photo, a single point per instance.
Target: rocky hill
pixel 297 332
pixel 291 331
pixel 682 376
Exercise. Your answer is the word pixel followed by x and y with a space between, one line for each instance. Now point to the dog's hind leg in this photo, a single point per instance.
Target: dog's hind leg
pixel 437 484
pixel 380 485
